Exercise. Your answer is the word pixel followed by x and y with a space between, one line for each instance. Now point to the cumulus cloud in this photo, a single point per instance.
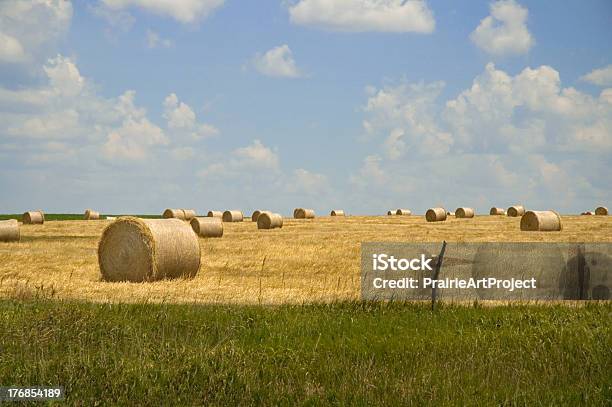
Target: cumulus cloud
pixel 277 62
pixel 182 119
pixel 504 31
pixel 364 15
pixel 184 11
pixel 601 76
pixel 155 41
pixel 310 183
pixel 256 155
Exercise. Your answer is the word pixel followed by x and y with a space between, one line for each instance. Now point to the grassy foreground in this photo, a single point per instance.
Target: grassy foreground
pixel 343 353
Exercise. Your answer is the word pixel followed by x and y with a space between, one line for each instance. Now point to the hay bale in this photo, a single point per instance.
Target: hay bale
pixel 189 214
pixel 9 231
pixel 435 215
pixel 589 213
pixel 33 218
pixel 301 213
pixel 337 212
pixel 256 215
pixel 464 212
pixel 207 227
pixel 449 213
pixel 542 221
pixel 390 213
pixel 91 215
pixel 602 210
pixel 215 214
pixel 268 220
pixel 233 216
pixel 110 218
pixel 133 249
pixel 174 213
pixel 516 210
pixel 497 211
pixel 403 212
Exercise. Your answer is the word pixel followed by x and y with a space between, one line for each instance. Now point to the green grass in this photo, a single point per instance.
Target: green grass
pixel 348 353
pixel 68 216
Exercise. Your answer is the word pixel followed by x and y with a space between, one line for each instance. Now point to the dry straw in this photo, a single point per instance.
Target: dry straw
pixel 543 221
pixel 256 215
pixel 497 211
pixel 9 231
pixel 207 227
pixel 602 210
pixel 91 215
pixel 110 218
pixel 301 213
pixel 174 213
pixel 435 215
pixel 215 214
pixel 516 210
pixel 133 249
pixel 337 212
pixel 34 218
pixel 268 220
pixel 464 213
pixel 233 216
pixel 404 212
pixel 189 214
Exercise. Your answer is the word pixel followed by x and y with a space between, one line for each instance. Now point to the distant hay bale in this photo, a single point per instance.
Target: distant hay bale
pixel 516 210
pixel 33 218
pixel 435 215
pixel 268 220
pixel 403 212
pixel 133 249
pixel 449 213
pixel 207 227
pixel 256 215
pixel 497 211
pixel 602 210
pixel 337 212
pixel 9 231
pixel 390 213
pixel 91 215
pixel 301 213
pixel 233 216
pixel 215 214
pixel 189 214
pixel 542 221
pixel 174 213
pixel 464 212
pixel 110 218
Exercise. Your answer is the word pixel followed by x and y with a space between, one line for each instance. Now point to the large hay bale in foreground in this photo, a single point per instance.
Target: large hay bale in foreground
pixel 174 213
pixel 602 210
pixel 337 212
pixel 542 221
pixel 302 213
pixel 435 215
pixel 497 211
pixel 215 214
pixel 464 212
pixel 233 216
pixel 91 215
pixel 189 214
pixel 9 231
pixel 33 218
pixel 268 220
pixel 516 210
pixel 403 212
pixel 256 215
pixel 207 227
pixel 133 249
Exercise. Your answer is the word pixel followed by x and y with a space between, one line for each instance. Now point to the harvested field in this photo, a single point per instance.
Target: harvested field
pixel 295 264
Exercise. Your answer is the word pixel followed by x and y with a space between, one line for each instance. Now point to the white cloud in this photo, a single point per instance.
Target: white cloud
pixel 601 76
pixel 310 183
pixel 182 119
pixel 133 140
pixel 256 155
pixel 504 32
pixel 277 62
pixel 155 41
pixel 364 15
pixel 184 11
pixel 10 49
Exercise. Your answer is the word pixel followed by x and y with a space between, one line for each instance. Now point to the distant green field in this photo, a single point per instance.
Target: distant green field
pixel 344 353
pixel 68 216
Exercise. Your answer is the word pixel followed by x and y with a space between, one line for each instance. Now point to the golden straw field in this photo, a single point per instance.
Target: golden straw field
pixel 306 261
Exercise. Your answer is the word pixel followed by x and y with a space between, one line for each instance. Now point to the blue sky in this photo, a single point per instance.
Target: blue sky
pixel 131 106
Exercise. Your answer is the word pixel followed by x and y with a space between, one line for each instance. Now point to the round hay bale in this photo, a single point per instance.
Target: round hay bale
pixel 9 231
pixel 403 212
pixel 390 213
pixel 33 218
pixel 542 221
pixel 589 213
pixel 91 215
pixel 516 210
pixel 464 213
pixel 268 220
pixel 133 249
pixel 337 212
pixel 449 213
pixel 233 216
pixel 301 213
pixel 174 213
pixel 497 211
pixel 207 227
pixel 215 214
pixel 256 215
pixel 189 214
pixel 435 215
pixel 602 210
